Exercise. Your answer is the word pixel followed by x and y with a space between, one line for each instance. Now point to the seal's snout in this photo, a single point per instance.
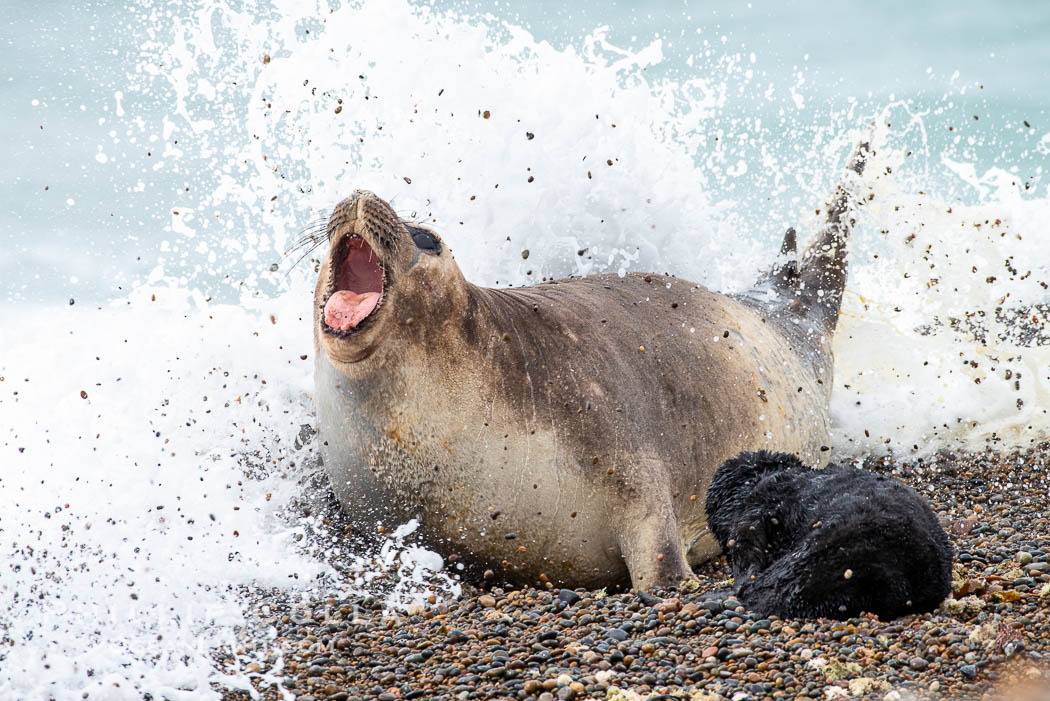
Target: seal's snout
pixel 365 233
pixel 365 214
pixel 347 214
pixel 353 204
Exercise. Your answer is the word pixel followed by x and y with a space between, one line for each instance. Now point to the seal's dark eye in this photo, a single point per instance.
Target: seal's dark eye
pixel 424 240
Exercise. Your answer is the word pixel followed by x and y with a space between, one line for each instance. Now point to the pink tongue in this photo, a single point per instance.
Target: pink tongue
pixel 345 309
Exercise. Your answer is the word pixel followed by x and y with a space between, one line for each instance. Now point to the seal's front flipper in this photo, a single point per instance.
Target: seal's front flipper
pixel 652 548
pixel 718 594
pixel 798 586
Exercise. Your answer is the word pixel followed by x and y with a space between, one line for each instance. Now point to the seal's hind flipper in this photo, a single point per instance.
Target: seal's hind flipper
pixel 789 247
pixel 822 273
pixel 785 269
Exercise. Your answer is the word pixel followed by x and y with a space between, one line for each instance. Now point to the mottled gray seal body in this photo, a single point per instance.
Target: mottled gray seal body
pixel 566 432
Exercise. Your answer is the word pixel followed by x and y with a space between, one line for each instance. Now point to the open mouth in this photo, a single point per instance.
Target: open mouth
pixel 357 285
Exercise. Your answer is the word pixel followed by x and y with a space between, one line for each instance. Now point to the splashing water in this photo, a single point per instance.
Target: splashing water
pixel 152 470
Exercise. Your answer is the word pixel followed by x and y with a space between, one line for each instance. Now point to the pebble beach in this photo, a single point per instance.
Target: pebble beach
pixel 989 640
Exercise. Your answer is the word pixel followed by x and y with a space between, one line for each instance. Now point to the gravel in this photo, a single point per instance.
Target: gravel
pixel 990 637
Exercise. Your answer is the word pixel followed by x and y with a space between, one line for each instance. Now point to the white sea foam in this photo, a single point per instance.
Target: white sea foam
pixel 104 591
pixel 128 520
pixel 150 457
pixel 942 339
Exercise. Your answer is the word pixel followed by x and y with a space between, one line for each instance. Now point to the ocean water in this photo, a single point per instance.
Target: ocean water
pixel 155 368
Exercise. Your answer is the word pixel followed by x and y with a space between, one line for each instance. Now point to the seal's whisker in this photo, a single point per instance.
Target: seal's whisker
pixel 416 219
pixel 310 240
pixel 319 225
pixel 310 232
pixel 309 236
pixel 310 245
pixel 320 222
pixel 308 251
pixel 303 250
pixel 413 216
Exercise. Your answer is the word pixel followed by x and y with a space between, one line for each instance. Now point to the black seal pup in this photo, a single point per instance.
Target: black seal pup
pixel 805 543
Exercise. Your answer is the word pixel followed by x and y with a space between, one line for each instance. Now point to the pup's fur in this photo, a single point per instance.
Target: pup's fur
pixel 829 543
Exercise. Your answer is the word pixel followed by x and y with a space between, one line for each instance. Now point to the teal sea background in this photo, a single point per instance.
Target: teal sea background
pixel 73 225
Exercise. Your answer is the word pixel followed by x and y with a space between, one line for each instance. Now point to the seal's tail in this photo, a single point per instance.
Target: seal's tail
pixel 819 278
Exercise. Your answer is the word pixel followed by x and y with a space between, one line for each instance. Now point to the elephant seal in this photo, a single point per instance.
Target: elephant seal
pixel 565 433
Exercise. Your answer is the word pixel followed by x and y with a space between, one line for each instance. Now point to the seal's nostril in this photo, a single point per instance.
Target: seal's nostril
pixel 359 200
pixel 359 196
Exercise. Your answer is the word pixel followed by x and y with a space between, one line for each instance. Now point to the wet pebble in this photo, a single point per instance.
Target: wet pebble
pixel 568 596
pixel 537 644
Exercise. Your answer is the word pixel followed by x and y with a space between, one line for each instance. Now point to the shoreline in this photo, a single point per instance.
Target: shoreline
pixel 986 641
